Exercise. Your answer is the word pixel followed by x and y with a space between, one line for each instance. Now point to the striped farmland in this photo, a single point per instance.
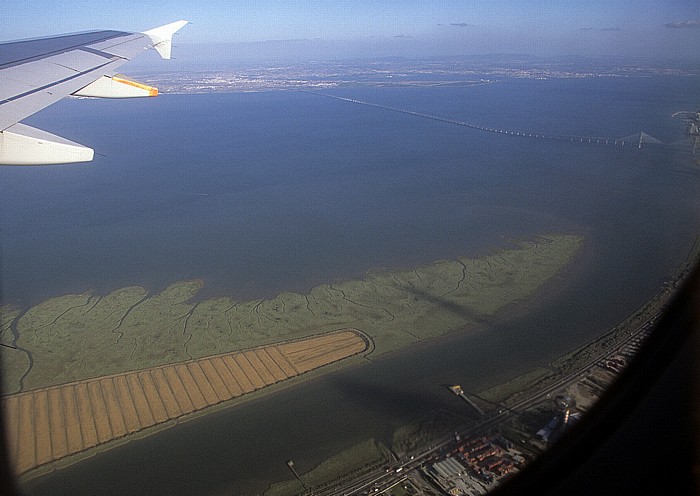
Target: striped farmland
pixel 48 424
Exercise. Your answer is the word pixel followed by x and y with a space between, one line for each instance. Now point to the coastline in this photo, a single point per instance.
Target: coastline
pixel 264 391
pixel 510 311
pixel 412 438
pixel 530 379
pixel 625 188
pixel 542 296
pixel 75 337
pixel 371 353
pixel 523 384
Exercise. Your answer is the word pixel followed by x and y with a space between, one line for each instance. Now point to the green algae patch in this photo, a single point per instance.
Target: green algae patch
pixel 74 337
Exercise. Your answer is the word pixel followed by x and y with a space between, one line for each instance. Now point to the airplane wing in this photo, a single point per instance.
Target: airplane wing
pixel 36 73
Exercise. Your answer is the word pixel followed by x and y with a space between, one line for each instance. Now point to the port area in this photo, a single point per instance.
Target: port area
pixel 513 423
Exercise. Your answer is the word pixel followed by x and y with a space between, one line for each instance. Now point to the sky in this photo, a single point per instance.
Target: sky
pixel 653 28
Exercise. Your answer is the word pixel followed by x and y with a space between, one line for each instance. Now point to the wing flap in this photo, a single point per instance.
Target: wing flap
pixel 24 145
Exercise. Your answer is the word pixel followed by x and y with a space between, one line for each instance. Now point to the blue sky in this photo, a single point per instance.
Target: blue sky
pixel 390 27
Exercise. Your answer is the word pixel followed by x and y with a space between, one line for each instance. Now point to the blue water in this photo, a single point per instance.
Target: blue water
pixel 259 193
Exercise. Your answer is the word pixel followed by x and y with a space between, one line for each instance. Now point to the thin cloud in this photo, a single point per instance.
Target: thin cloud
pixel 610 29
pixel 586 29
pixel 402 36
pixel 461 24
pixel 692 23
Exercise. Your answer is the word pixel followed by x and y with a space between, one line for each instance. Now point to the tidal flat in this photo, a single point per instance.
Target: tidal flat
pixel 80 336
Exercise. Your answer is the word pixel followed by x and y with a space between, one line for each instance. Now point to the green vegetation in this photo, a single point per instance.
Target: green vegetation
pixel 421 434
pixel 13 363
pixel 360 458
pixel 74 337
pixel 501 392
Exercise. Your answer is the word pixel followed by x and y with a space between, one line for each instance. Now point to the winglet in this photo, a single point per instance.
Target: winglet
pixel 162 37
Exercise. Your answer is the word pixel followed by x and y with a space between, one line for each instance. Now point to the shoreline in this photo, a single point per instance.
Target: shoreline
pixel 527 380
pixel 370 353
pixel 525 384
pixel 511 311
pixel 135 405
pixel 131 329
pixel 614 337
pixel 252 397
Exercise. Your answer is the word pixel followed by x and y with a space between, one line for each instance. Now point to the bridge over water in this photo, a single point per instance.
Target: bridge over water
pixel 634 140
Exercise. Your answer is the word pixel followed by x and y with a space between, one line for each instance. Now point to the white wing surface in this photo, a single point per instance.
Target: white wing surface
pixel 36 73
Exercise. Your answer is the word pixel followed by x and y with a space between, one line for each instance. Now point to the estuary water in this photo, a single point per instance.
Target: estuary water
pixel 258 193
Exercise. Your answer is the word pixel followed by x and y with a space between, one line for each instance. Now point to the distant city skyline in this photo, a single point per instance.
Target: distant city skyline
pixel 308 28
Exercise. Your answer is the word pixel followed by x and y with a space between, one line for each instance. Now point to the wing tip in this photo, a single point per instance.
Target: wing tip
pixel 162 37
